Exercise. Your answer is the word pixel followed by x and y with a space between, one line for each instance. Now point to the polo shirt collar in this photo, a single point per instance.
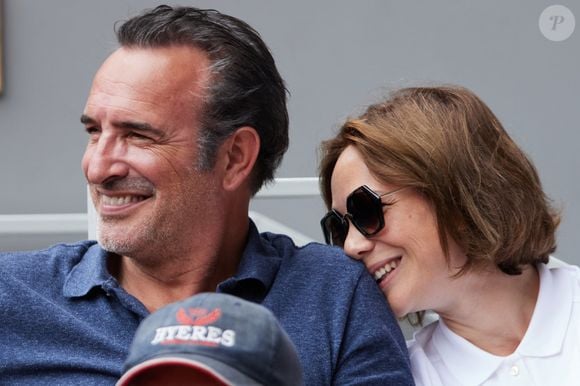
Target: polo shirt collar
pixel 472 366
pixel 549 316
pixel 90 272
pixel 258 267
pixel 468 363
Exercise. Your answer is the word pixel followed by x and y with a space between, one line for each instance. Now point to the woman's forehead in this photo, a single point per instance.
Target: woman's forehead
pixel 349 173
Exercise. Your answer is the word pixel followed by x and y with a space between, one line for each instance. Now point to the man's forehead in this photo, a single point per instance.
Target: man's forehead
pixel 178 68
pixel 144 79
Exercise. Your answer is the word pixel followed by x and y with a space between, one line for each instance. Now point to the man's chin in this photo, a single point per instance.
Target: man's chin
pixel 115 240
pixel 118 246
pixel 126 240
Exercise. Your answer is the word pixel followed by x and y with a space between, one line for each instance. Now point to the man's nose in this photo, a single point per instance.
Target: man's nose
pixel 104 159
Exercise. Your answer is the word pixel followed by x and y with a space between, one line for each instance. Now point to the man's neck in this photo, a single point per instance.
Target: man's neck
pixel 161 274
pixel 157 286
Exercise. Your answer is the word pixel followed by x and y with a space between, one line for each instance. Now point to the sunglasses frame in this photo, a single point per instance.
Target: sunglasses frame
pixel 377 209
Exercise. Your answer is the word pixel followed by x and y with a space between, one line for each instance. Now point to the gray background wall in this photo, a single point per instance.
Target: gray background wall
pixel 336 56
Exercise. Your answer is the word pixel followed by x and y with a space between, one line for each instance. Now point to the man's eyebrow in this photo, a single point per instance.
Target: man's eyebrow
pixel 133 125
pixel 86 120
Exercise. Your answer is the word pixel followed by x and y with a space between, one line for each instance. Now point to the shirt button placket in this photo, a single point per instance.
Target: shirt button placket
pixel 515 371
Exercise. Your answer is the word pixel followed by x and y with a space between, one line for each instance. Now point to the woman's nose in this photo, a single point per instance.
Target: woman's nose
pixel 356 245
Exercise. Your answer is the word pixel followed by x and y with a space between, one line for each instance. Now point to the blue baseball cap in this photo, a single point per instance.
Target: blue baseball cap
pixel 233 340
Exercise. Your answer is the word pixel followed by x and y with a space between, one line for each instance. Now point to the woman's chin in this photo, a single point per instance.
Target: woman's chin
pixel 400 310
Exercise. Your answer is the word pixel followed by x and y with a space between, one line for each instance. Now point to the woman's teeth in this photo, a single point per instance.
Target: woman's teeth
pixel 384 271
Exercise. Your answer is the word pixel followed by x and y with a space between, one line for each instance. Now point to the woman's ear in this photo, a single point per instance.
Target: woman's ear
pixel 240 151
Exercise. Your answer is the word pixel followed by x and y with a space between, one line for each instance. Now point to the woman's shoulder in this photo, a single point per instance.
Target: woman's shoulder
pixel 421 338
pixel 424 373
pixel 560 271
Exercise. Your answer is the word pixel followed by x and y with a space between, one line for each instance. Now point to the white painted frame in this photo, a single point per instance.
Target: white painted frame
pixel 64 223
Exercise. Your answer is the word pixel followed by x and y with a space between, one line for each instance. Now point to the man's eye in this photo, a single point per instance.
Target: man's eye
pixel 92 130
pixel 137 135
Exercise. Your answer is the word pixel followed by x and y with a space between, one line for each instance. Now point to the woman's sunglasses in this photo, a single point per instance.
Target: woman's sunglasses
pixel 364 209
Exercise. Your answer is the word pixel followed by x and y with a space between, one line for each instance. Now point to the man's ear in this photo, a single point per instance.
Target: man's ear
pixel 240 151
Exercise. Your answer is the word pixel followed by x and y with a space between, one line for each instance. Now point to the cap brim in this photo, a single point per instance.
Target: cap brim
pixel 216 369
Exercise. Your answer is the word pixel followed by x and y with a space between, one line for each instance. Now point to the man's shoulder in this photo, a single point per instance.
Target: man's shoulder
pixel 286 246
pixel 56 257
pixel 326 258
pixel 316 268
pixel 336 315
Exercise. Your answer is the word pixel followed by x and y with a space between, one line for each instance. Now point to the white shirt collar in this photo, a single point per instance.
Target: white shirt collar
pixel 544 337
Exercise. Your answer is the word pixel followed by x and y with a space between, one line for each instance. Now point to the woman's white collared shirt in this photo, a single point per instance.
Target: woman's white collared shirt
pixel 549 353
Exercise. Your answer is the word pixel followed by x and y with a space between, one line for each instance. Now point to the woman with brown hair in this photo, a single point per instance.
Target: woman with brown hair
pixel 447 213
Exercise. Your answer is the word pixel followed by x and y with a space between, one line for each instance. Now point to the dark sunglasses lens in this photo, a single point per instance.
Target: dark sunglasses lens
pixel 335 229
pixel 366 211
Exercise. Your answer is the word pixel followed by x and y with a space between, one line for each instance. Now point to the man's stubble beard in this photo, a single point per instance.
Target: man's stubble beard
pixel 161 235
pixel 138 240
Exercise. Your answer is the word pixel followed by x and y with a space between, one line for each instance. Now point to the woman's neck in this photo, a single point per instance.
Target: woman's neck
pixel 493 310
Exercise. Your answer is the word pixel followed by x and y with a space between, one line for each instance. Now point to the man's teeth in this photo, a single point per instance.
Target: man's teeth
pixel 384 271
pixel 121 200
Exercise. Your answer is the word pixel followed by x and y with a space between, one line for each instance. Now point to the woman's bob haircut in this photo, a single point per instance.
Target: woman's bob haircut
pixel 447 144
